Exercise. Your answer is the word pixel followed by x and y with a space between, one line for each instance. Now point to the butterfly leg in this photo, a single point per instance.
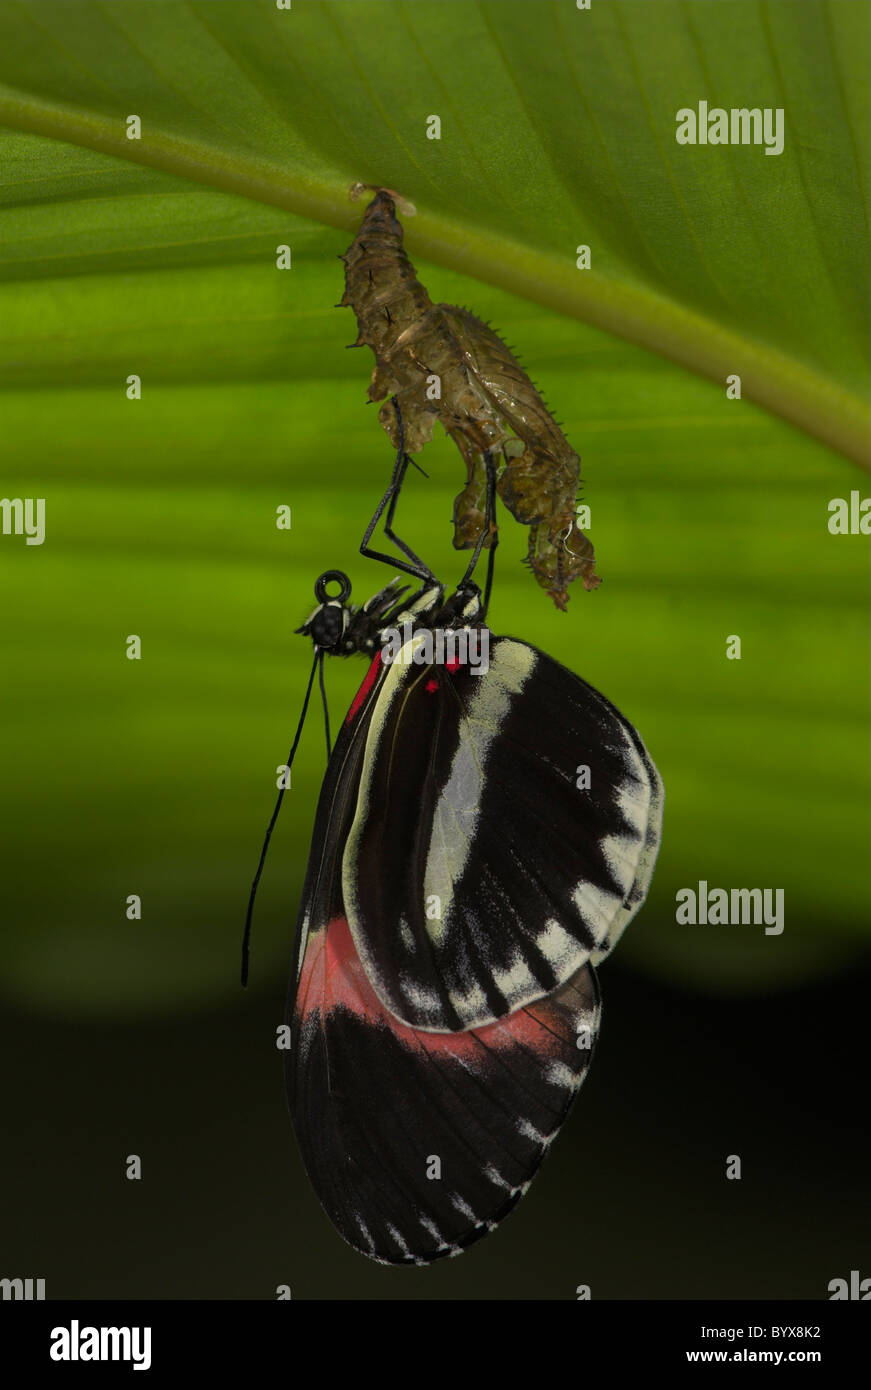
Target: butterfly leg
pixel 417 568
pixel 486 529
pixel 489 519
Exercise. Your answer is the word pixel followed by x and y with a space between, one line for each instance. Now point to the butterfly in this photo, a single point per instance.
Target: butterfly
pixel 487 827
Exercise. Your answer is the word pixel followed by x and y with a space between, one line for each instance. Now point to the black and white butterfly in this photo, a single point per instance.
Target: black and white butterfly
pixel 485 831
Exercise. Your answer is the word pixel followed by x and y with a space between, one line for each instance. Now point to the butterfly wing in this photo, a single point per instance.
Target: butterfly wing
pixel 419 1143
pixel 416 1142
pixel 505 832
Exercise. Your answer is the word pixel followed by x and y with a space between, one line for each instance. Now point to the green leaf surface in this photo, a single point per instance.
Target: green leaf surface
pixel 157 257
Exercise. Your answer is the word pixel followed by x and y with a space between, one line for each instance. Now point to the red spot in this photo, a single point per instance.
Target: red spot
pixel 368 682
pixel 452 665
pixel 333 977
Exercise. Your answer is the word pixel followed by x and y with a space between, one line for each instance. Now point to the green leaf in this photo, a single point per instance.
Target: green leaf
pixel 157 257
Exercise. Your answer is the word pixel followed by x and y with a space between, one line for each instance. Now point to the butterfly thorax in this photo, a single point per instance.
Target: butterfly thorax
pixel 340 628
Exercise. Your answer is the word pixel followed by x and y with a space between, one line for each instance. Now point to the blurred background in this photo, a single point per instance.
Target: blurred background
pixel 156 777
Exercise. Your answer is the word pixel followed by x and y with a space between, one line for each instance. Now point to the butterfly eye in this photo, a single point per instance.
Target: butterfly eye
pixel 327 626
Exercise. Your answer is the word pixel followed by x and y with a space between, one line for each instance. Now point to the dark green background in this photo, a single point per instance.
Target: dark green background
pixel 709 518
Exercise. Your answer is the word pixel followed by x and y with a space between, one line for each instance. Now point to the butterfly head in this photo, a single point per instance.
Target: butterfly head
pixel 339 627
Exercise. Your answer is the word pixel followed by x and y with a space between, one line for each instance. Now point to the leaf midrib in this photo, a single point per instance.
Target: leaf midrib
pixel 782 385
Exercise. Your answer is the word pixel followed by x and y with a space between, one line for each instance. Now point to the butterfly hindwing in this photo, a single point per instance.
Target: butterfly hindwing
pixel 321 894
pixel 416 1142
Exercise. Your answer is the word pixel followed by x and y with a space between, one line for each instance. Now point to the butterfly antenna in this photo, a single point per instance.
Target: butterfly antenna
pixel 325 705
pixel 246 938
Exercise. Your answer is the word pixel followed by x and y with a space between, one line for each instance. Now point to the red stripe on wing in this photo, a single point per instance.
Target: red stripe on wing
pixel 333 977
pixel 368 681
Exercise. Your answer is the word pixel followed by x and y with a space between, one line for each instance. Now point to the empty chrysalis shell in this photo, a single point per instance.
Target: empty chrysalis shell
pixel 442 363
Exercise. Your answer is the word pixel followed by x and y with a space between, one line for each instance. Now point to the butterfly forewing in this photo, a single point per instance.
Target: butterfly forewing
pixel 502 836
